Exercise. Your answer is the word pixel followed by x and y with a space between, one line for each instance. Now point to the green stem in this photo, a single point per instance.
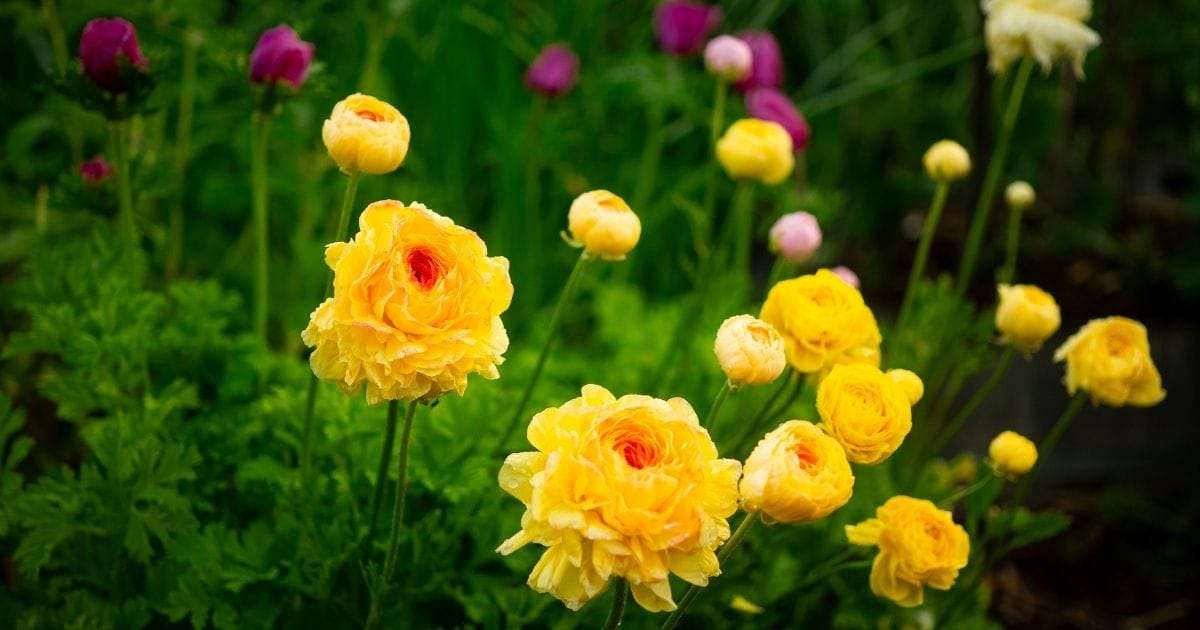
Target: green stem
pixel 62 60
pixel 620 596
pixel 711 418
pixel 918 268
pixel 389 565
pixel 258 181
pixel 965 492
pixel 1009 273
pixel 1048 444
pixel 533 214
pixel 778 271
pixel 768 412
pixel 116 130
pixel 555 321
pixel 183 134
pixel 980 395
pixel 743 218
pixel 995 167
pixel 722 555
pixel 385 458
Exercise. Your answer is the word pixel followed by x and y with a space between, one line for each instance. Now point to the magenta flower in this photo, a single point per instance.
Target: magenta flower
pixel 767 68
pixel 103 41
pixel 773 105
pixel 554 71
pixel 95 170
pixel 795 236
pixel 681 28
pixel 280 56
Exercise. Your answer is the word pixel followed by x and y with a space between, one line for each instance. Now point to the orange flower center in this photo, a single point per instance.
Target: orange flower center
pixel 807 458
pixel 369 115
pixel 637 453
pixel 423 267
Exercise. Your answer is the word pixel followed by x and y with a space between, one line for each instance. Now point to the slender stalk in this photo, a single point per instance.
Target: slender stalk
pixel 116 131
pixel 1048 444
pixel 62 60
pixel 258 186
pixel 183 135
pixel 980 395
pixel 389 565
pixel 965 492
pixel 722 555
pixel 995 167
pixel 41 209
pixel 918 268
pixel 620 596
pixel 778 271
pixel 555 321
pixel 743 218
pixel 1009 272
pixel 533 215
pixel 311 400
pixel 711 418
pixel 385 458
pixel 768 412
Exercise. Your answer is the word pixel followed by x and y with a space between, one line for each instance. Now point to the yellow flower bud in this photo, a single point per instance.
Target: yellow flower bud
pixel 1110 360
pixel 947 161
pixel 909 383
pixel 1012 453
pixel 1019 195
pixel 1026 316
pixel 756 149
pixel 796 474
pixel 603 224
pixel 366 135
pixel 749 350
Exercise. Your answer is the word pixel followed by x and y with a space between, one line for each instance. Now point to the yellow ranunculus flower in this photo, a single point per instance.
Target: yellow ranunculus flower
pixel 919 546
pixel 1026 316
pixel 865 410
pixel 909 383
pixel 629 487
pixel 366 135
pixel 756 149
pixel 947 161
pixel 749 350
pixel 603 225
pixel 1012 453
pixel 796 474
pixel 1110 360
pixel 824 322
pixel 416 307
pixel 1048 30
pixel 1019 195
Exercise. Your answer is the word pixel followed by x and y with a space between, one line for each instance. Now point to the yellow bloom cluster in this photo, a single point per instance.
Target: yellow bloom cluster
pixel 756 149
pixel 366 135
pixel 868 411
pixel 1047 30
pixel 824 322
pixel 749 350
pixel 629 487
pixel 919 545
pixel 1110 360
pixel 796 474
pixel 416 307
pixel 1026 316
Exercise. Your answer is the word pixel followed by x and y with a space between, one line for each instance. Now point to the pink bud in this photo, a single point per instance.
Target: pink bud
pixel 103 41
pixel 796 236
pixel 728 58
pixel 280 56
pixel 767 67
pixel 773 105
pixel 681 27
pixel 845 274
pixel 95 170
pixel 554 71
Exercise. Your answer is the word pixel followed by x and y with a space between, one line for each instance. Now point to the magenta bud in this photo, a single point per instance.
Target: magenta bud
pixel 773 105
pixel 281 56
pixel 103 41
pixel 681 28
pixel 95 170
pixel 766 70
pixel 796 236
pixel 554 71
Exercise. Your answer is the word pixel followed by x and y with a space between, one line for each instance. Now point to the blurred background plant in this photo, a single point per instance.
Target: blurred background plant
pixel 218 528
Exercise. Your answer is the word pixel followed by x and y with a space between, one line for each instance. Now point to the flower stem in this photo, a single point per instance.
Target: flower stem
pixel 743 218
pixel 995 167
pixel 311 401
pixel 722 555
pixel 780 269
pixel 1048 444
pixel 258 185
pixel 389 565
pixel 965 492
pixel 711 418
pixel 116 130
pixel 183 135
pixel 918 268
pixel 555 321
pixel 385 458
pixel 980 395
pixel 620 596
pixel 1009 272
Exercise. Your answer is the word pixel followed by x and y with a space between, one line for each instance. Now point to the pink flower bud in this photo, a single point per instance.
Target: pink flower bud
pixel 280 56
pixel 554 71
pixel 682 27
pixel 103 41
pixel 767 67
pixel 728 58
pixel 796 236
pixel 773 105
pixel 845 274
pixel 95 170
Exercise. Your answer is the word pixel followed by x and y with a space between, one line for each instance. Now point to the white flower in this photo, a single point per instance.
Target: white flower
pixel 1048 30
